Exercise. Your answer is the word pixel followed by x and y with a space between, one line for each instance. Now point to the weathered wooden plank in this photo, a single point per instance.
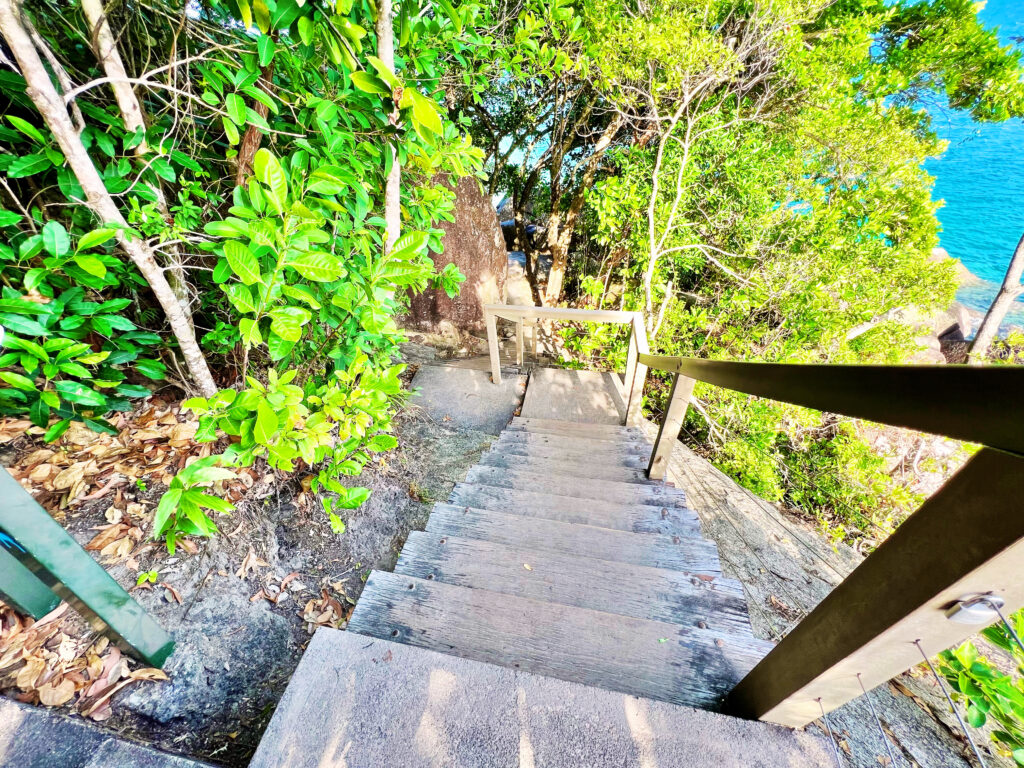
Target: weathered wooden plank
pixel 682 665
pixel 566 485
pixel 573 428
pixel 578 468
pixel 684 551
pixel 637 518
pixel 491 322
pixel 867 628
pixel 516 311
pixel 606 459
pixel 624 589
pixel 589 398
pixel 597 447
pixel 668 433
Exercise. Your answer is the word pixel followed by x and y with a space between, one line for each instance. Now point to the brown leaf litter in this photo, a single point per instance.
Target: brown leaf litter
pixel 42 662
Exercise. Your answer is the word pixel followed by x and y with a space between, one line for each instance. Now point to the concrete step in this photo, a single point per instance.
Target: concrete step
pixel 575 429
pixel 36 737
pixel 652 659
pixel 710 601
pixel 614 459
pixel 578 468
pixel 563 442
pixel 370 703
pixel 634 517
pixel 568 485
pixel 115 753
pixel 688 553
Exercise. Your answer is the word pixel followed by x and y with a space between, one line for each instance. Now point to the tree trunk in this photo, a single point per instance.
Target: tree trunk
pixel 105 47
pixel 560 234
pixel 1008 293
pixel 51 106
pixel 385 29
pixel 253 136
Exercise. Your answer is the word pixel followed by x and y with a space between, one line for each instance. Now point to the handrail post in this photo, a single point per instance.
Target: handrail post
pixel 519 341
pixel 679 400
pixel 636 372
pixel 492 344
pixel 967 539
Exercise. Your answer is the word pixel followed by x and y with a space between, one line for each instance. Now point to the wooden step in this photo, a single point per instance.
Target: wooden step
pixel 637 518
pixel 596 447
pixel 607 459
pixel 578 431
pixel 567 485
pixel 685 551
pixel 574 428
pixel 712 602
pixel 652 659
pixel 578 468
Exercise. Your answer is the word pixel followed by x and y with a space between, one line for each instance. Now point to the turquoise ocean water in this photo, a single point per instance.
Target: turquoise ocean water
pixel 981 180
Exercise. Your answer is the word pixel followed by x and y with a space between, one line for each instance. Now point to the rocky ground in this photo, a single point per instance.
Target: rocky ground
pixel 241 606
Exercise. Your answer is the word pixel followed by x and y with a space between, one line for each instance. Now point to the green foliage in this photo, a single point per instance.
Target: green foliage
pixel 181 509
pixel 989 694
pixel 282 264
pixel 765 201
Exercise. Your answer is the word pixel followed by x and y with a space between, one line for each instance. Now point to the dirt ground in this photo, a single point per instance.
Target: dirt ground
pixel 242 606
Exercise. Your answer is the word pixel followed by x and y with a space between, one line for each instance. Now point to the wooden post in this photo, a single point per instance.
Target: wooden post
pixel 519 341
pixel 966 539
pixel 636 376
pixel 682 388
pixel 492 343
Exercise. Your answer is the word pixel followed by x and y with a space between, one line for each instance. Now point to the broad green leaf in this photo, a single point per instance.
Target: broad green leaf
pixel 424 112
pixel 452 14
pixel 278 347
pixel 306 30
pixel 29 165
pixel 408 245
pixel 245 11
pixel 230 130
pixel 90 264
pixel 262 14
pixel 55 238
pixel 287 322
pixel 266 48
pixel 368 83
pixel 27 128
pixel 94 238
pixel 384 72
pixel 354 498
pixel 266 423
pixel 18 381
pixel 381 443
pixel 240 297
pixel 79 393
pixel 319 266
pixel 9 218
pixel 303 294
pixel 249 330
pixel 242 262
pixel 167 506
pixel 269 171
pixel 235 105
pixel 56 430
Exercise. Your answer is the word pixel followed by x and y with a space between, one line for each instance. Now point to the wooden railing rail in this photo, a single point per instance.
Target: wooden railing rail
pixel 635 374
pixel 966 540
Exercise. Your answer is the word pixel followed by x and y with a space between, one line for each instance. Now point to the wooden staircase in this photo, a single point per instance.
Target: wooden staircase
pixel 558 557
